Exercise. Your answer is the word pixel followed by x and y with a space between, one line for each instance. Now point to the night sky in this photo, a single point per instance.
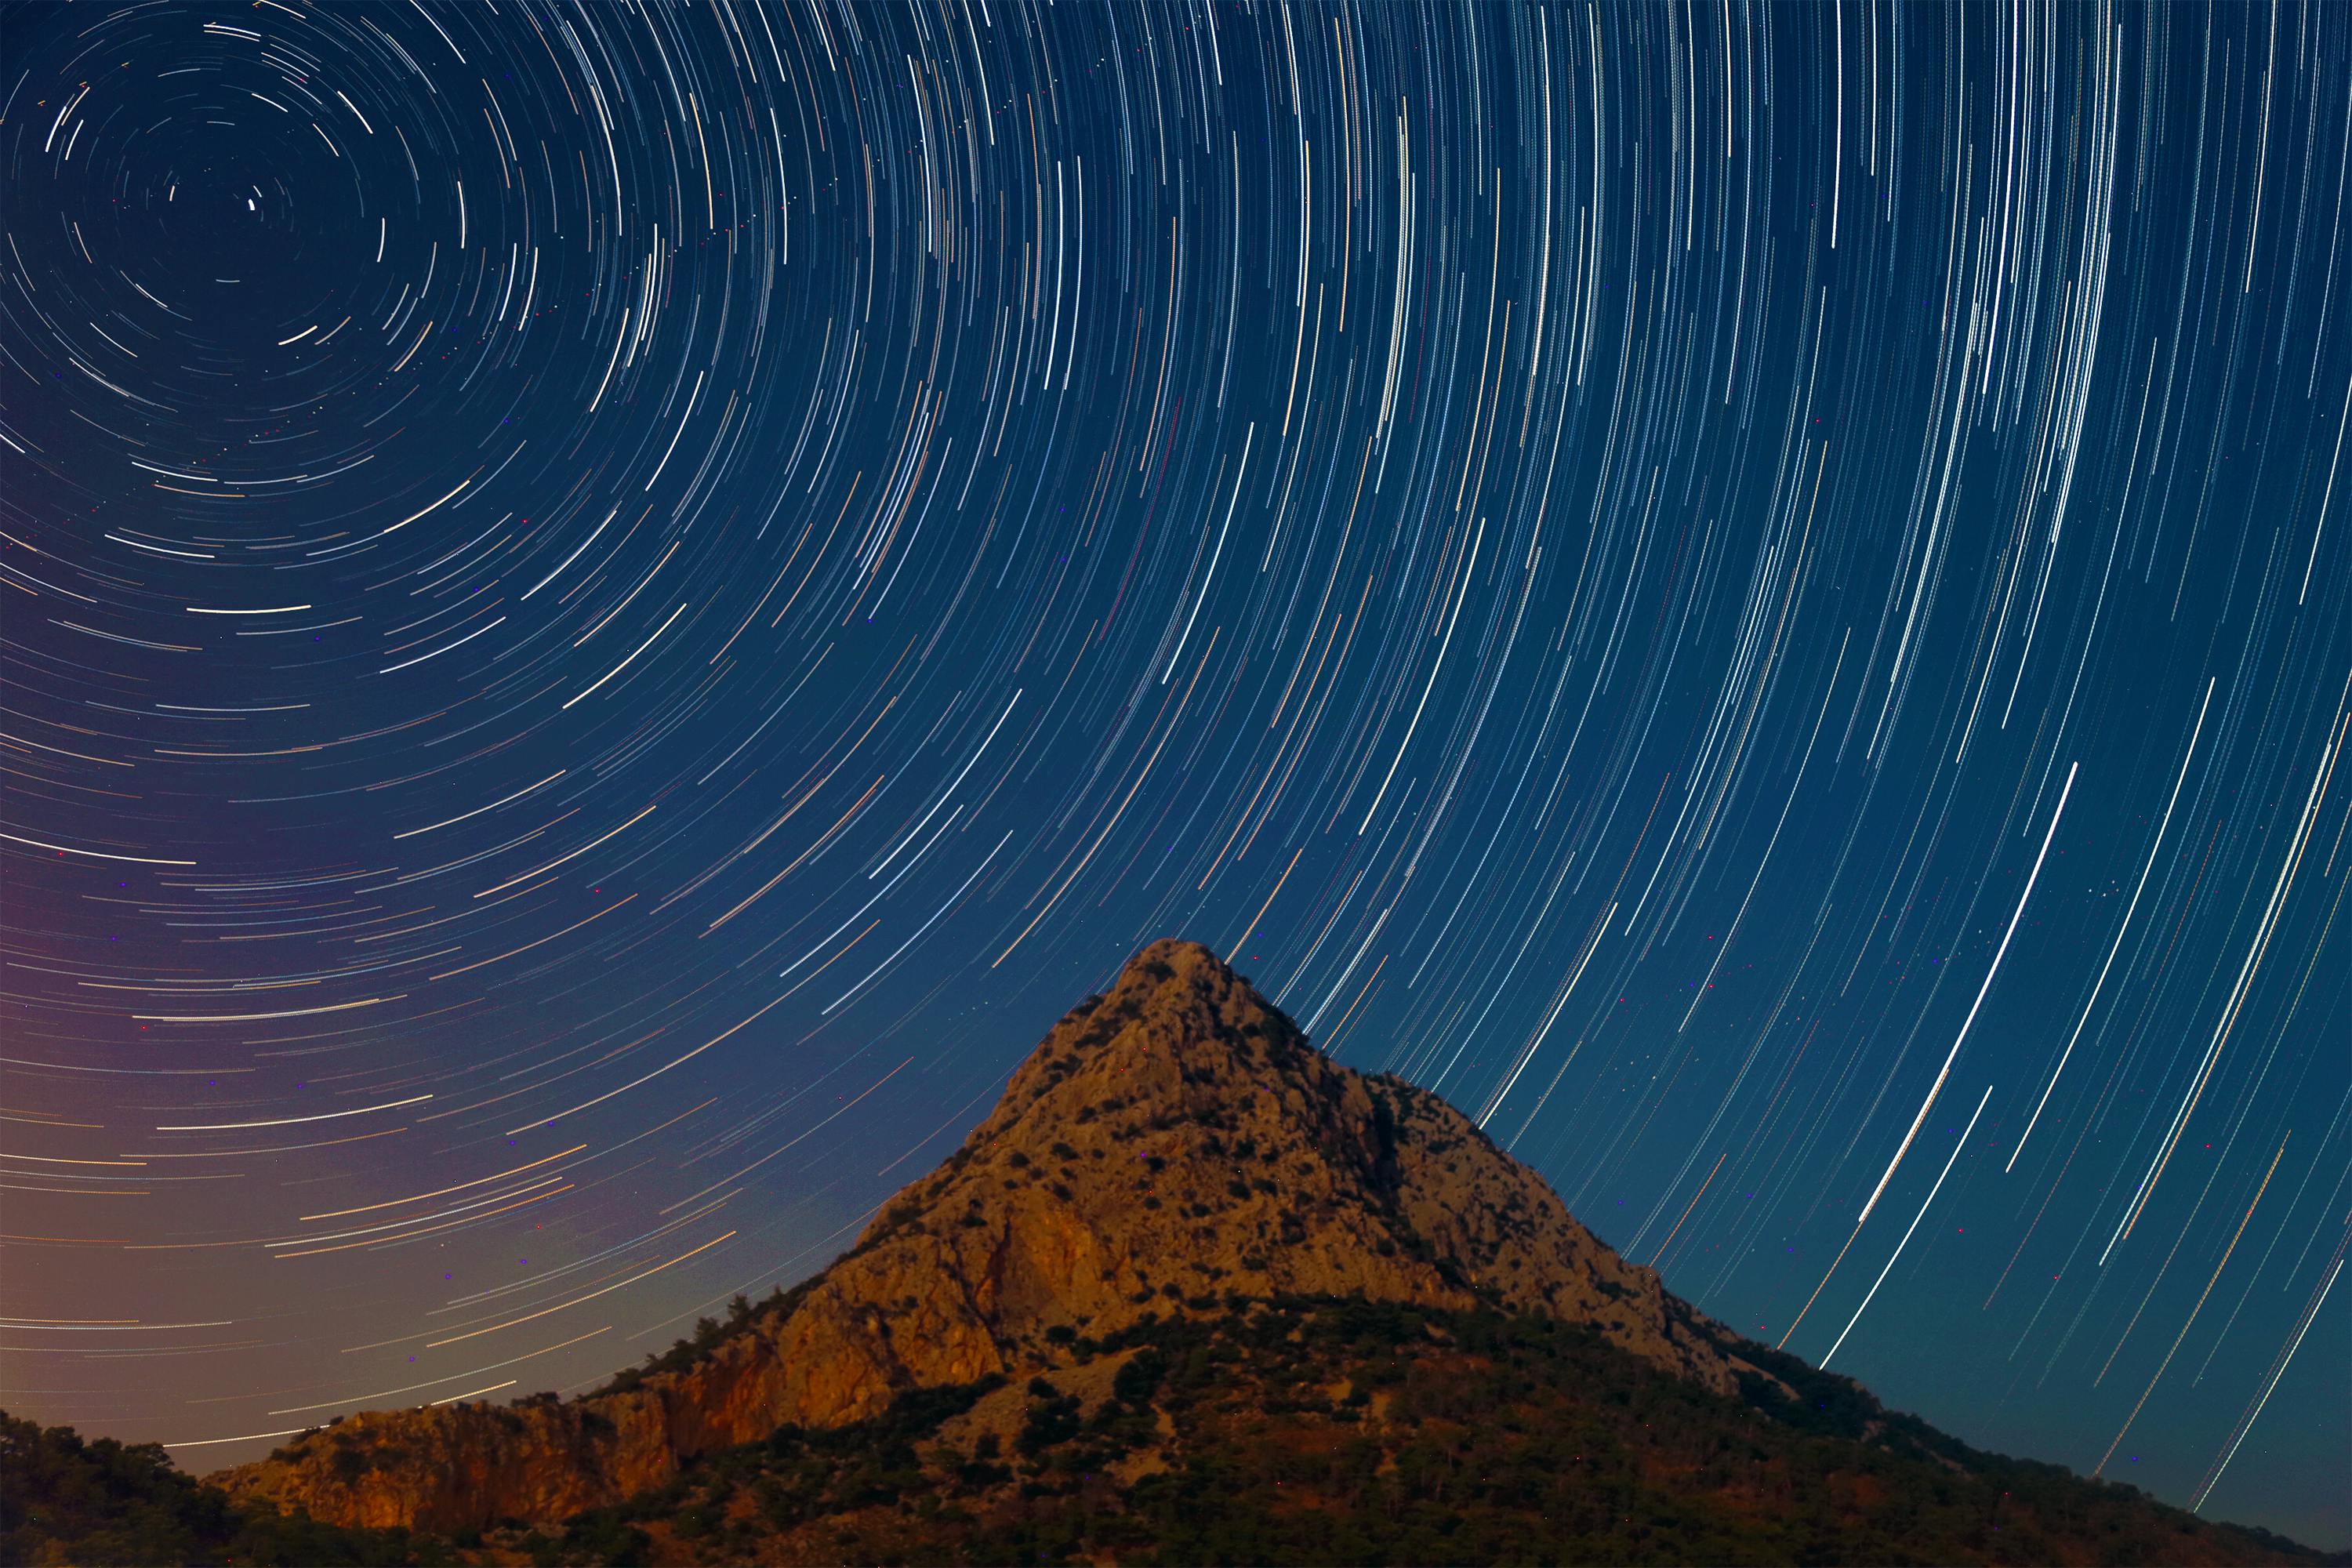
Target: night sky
pixel 609 610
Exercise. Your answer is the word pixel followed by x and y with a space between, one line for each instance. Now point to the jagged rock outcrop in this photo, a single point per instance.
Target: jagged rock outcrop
pixel 1171 1144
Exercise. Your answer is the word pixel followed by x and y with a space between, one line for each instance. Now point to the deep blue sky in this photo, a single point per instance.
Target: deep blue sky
pixel 608 612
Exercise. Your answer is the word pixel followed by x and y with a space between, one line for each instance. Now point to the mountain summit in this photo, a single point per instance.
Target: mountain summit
pixel 1172 1143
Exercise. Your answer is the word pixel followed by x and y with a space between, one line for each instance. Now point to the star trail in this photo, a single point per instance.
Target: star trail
pixel 608 609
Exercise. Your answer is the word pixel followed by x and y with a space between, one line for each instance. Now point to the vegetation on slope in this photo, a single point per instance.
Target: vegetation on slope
pixel 1305 1430
pixel 1318 1431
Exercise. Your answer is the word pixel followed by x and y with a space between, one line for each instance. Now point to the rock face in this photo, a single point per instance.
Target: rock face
pixel 1170 1144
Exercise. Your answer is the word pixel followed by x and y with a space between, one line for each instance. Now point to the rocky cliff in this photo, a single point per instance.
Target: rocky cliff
pixel 1171 1145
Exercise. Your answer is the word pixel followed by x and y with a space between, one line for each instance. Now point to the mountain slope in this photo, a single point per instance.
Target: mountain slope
pixel 1175 1140
pixel 1315 1430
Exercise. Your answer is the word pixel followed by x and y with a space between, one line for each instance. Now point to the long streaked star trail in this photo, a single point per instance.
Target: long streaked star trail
pixel 608 610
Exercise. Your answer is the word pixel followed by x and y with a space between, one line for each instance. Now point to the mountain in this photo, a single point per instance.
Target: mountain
pixel 1173 1142
pixel 1192 1292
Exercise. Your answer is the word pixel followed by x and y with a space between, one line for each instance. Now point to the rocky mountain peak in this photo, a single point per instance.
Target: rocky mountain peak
pixel 1173 1145
pixel 1181 1059
pixel 1178 1031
